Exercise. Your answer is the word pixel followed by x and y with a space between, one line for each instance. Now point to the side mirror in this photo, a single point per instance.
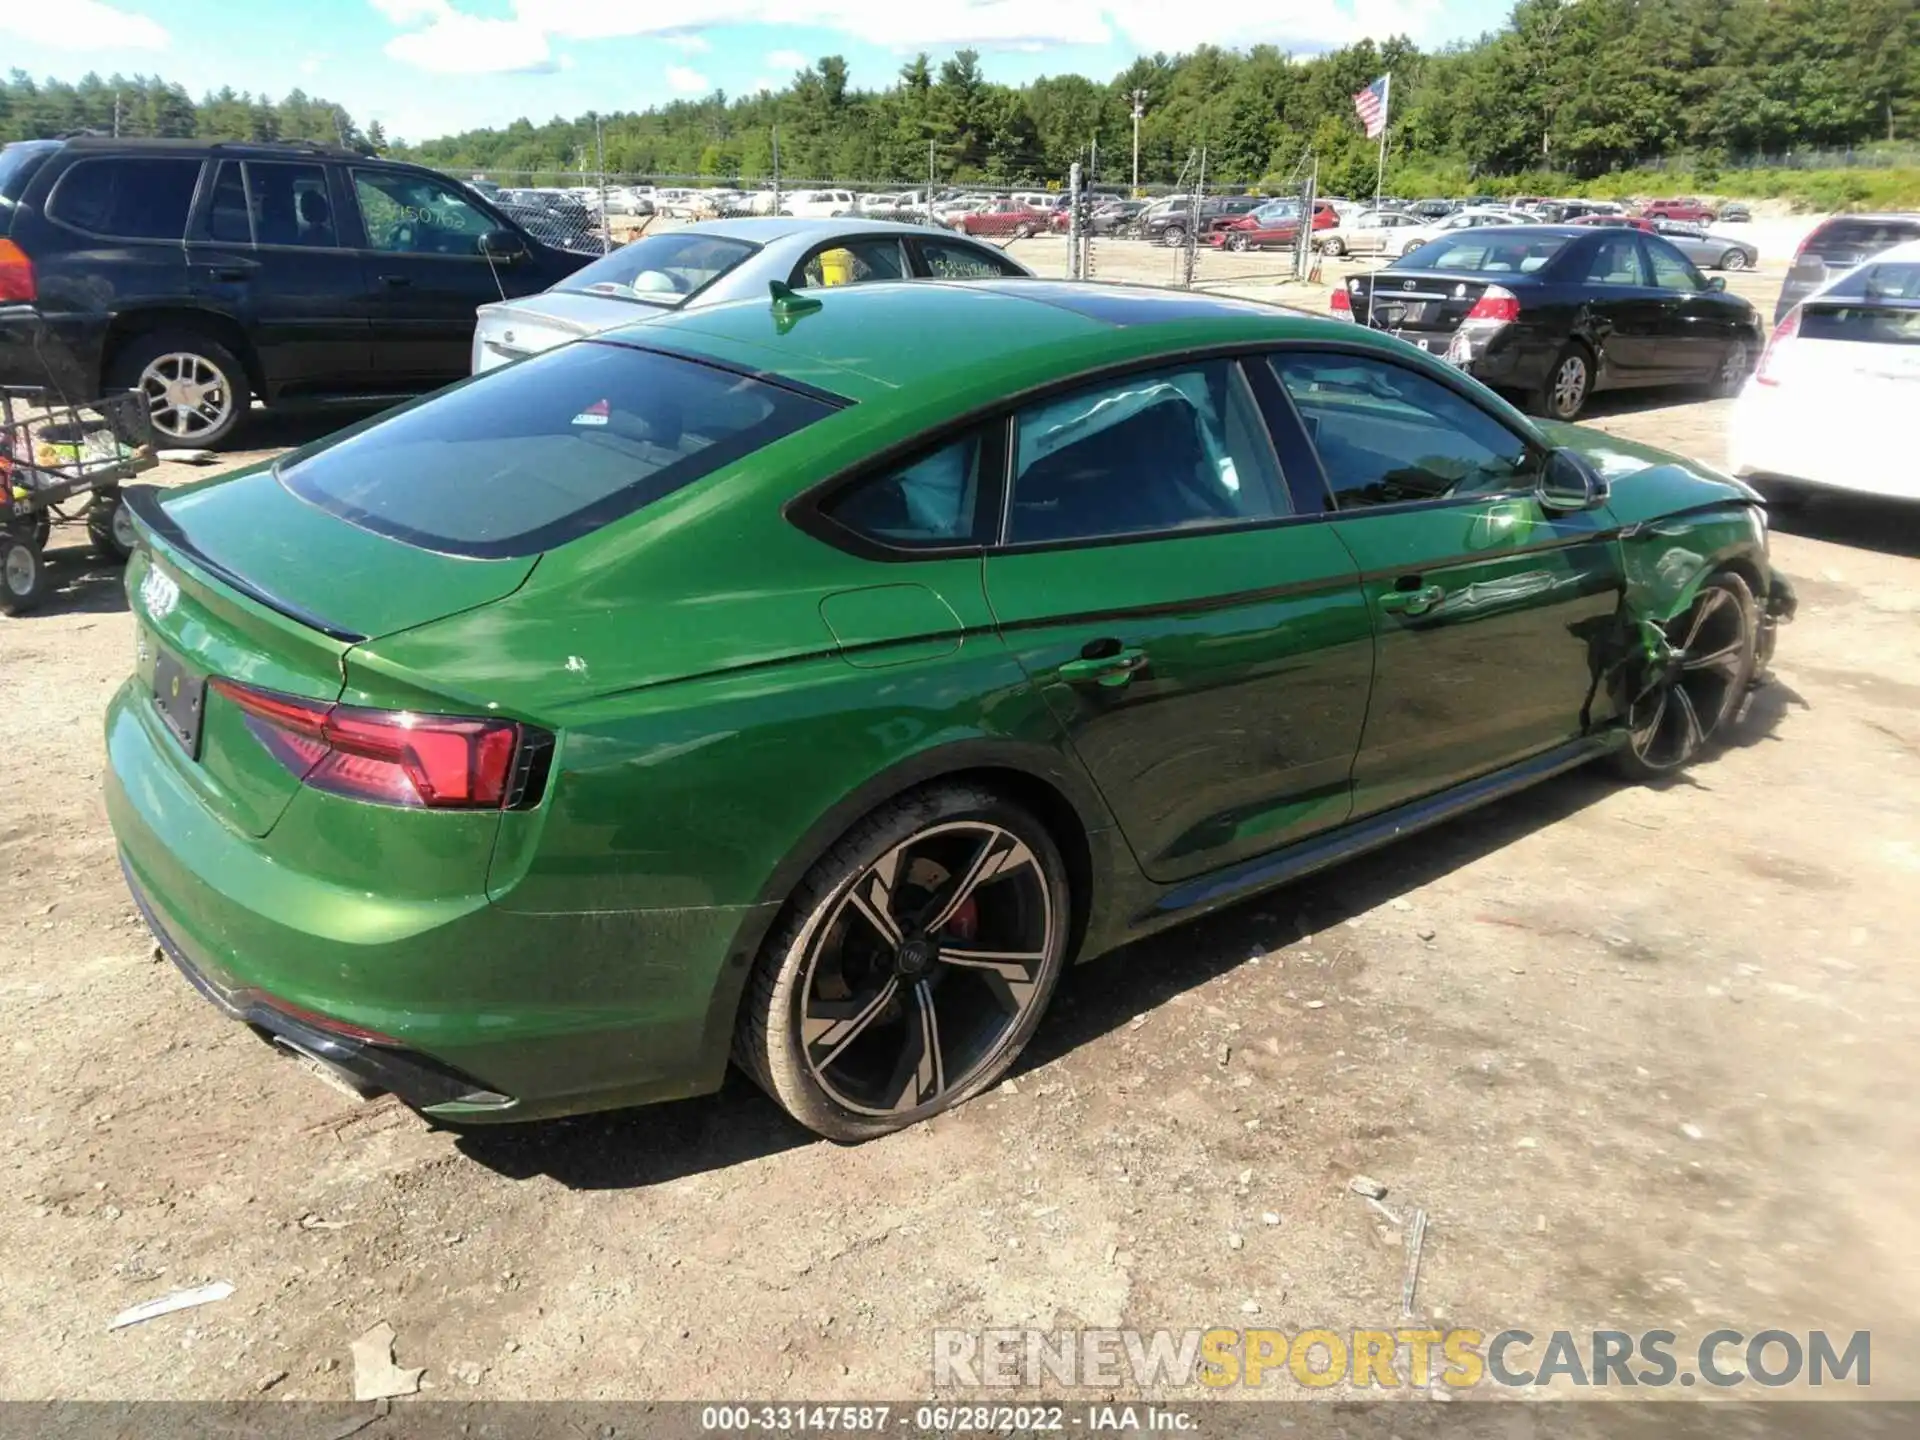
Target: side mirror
pixel 1569 482
pixel 1718 282
pixel 503 247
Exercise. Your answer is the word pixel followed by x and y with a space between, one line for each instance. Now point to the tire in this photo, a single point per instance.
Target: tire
pixel 1735 365
pixel 1563 394
pixel 878 994
pixel 110 529
pixel 1334 246
pixel 1238 242
pixel 1684 708
pixel 196 360
pixel 23 574
pixel 1734 260
pixel 1023 232
pixel 1173 236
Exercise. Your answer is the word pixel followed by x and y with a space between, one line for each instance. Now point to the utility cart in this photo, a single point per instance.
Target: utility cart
pixel 64 464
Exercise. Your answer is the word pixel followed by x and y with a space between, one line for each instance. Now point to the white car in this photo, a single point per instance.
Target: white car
pixel 724 260
pixel 1831 405
pixel 1370 232
pixel 1412 237
pixel 818 204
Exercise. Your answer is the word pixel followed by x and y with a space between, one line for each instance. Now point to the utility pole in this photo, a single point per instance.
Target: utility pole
pixel 930 182
pixel 116 115
pixel 1139 109
pixel 776 169
pixel 600 165
pixel 1093 157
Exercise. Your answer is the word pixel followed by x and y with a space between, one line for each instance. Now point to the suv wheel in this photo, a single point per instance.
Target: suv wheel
pixel 196 390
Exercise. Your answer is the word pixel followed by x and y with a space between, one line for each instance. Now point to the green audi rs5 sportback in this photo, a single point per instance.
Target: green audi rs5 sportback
pixel 808 681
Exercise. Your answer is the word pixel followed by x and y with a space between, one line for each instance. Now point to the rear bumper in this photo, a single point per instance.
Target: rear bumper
pixel 480 1012
pixel 62 352
pixel 1772 438
pixel 417 1079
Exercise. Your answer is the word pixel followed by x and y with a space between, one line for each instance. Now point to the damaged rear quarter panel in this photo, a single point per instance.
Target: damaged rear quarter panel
pixel 1680 521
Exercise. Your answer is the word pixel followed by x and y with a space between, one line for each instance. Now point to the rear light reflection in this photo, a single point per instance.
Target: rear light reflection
pixel 1340 303
pixel 389 757
pixel 1773 357
pixel 1497 304
pixel 17 285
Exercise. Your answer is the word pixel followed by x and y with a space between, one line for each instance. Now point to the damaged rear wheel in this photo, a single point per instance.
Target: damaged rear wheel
pixel 1689 689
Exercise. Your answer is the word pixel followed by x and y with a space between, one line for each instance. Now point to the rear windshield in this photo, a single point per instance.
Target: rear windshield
pixel 1898 280
pixel 530 456
pixel 1865 323
pixel 1844 235
pixel 661 269
pixel 17 164
pixel 1485 250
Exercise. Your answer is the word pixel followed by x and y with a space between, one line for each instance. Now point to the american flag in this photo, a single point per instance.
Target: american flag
pixel 1372 105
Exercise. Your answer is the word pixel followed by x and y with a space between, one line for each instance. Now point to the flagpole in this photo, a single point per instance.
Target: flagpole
pixel 1386 113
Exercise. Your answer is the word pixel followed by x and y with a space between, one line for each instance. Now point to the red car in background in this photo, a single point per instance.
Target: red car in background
pixel 1009 218
pixel 1683 209
pixel 1274 224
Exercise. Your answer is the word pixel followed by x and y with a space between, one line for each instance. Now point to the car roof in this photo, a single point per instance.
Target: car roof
pixel 865 341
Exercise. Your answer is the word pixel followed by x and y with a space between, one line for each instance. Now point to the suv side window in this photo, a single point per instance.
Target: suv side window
pixel 229 218
pixel 408 214
pixel 1387 435
pixel 932 501
pixel 1154 453
pixel 127 198
pixel 290 204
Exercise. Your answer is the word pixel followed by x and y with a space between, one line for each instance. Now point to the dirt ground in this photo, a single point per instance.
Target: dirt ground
pixel 1646 1057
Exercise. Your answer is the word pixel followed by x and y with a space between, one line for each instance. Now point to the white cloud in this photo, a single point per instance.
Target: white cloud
pixel 81 25
pixel 459 44
pixel 685 81
pixel 440 37
pixel 411 12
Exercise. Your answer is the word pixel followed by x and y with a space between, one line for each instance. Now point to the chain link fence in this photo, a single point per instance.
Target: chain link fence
pixel 1184 235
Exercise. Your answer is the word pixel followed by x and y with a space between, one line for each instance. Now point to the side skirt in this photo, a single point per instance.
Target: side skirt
pixel 1224 887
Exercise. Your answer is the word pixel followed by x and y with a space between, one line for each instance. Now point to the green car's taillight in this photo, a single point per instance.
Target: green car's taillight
pixel 394 757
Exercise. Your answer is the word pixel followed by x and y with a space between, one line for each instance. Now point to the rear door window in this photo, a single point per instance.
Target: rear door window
pixel 851 262
pixel 530 456
pixel 953 260
pixel 127 198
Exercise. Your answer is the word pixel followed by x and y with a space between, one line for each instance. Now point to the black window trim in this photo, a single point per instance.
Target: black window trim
pixel 841 242
pixel 1447 377
pixel 1003 545
pixel 201 187
pixel 804 513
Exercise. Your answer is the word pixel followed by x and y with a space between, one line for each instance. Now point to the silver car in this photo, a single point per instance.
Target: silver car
pixel 1705 249
pixel 722 260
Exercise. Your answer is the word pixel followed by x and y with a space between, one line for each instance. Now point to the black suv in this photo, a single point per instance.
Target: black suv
pixel 207 274
pixel 1168 225
pixel 1838 245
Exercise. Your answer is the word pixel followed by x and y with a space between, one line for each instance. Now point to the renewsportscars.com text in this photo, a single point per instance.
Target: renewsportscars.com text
pixel 1458 1359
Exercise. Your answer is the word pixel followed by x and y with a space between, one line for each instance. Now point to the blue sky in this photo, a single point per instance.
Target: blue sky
pixel 426 67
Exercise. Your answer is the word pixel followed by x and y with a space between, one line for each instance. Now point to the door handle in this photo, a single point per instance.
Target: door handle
pixel 1110 670
pixel 231 272
pixel 396 280
pixel 1413 602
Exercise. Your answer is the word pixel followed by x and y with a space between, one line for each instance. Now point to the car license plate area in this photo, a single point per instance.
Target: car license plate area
pixel 179 697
